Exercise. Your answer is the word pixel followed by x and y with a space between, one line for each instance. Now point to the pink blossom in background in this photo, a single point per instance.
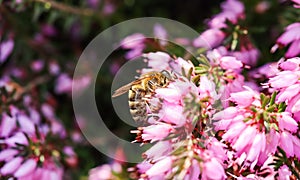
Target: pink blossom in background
pixel 48 30
pixel 105 171
pixel 135 44
pixel 28 154
pixel 247 56
pixel 37 65
pixel 290 37
pixel 232 10
pixel 262 7
pixel 297 5
pixel 6 49
pixel 108 8
pixel 93 3
pixel 209 39
pixel 160 33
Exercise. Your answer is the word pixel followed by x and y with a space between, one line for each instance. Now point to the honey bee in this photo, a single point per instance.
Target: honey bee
pixel 140 90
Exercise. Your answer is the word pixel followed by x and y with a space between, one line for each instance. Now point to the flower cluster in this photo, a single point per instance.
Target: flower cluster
pixel 29 147
pixel 220 29
pixel 213 122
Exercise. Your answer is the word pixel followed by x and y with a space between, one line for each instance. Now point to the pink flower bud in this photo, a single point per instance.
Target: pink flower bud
pixel 209 38
pixel 151 132
pixel 286 122
pixel 243 98
pixel 132 41
pixel 213 169
pixel 230 62
pixel 161 148
pixel 286 144
pixel 160 167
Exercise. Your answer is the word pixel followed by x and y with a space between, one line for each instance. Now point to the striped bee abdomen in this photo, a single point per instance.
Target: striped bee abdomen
pixel 138 105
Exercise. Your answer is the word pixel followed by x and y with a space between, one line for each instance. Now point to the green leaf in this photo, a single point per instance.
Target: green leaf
pixel 273 97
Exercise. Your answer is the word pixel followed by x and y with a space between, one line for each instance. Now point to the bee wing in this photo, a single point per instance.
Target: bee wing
pixel 126 88
pixel 122 90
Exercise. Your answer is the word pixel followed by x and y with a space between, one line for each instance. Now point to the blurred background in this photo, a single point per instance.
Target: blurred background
pixel 41 41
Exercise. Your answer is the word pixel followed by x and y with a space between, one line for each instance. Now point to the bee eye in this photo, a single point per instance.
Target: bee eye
pixel 166 74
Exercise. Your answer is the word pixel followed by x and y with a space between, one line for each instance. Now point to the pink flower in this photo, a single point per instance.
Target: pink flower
pixel 217 148
pixel 26 168
pixel 292 64
pixel 19 138
pixel 173 114
pixel 158 60
pixel 160 33
pixel 213 169
pixel 232 10
pixel 63 84
pixel 11 166
pixel 284 79
pixel 297 5
pixel 288 93
pixel 37 65
pixel 134 53
pixel 244 98
pixel 160 149
pixel 286 144
pixel 284 173
pixel 229 62
pixel 178 64
pixel 150 132
pixel 194 171
pixel 7 125
pixel 246 56
pixel 233 6
pixel 290 36
pixel 257 147
pixel 7 154
pixel 100 173
pixel 286 122
pixel 207 89
pixel 26 124
pixel 160 167
pixel 209 38
pixel 6 48
pixel 54 68
pixel 266 71
pixel 133 41
pixel 234 132
pixel 245 138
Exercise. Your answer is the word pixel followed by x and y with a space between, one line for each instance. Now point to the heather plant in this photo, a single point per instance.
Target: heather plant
pixel 230 110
